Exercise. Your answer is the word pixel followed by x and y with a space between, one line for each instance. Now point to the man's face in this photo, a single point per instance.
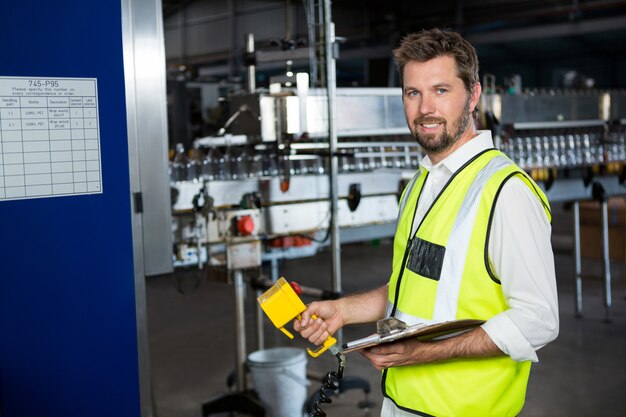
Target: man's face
pixel 437 105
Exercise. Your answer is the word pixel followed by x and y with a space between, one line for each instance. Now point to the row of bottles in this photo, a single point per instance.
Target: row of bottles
pixel 369 158
pixel 241 162
pixel 566 150
pixel 615 147
pixel 530 151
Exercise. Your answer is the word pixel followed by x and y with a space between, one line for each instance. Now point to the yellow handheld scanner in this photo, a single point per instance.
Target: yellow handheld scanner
pixel 282 304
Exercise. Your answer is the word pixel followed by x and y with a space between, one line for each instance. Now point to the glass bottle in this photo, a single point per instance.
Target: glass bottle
pixel 208 171
pixel 237 163
pixel 194 167
pixel 178 171
pixel 221 163
pixel 254 164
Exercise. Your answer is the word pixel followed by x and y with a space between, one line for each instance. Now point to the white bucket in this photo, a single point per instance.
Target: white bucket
pixel 279 377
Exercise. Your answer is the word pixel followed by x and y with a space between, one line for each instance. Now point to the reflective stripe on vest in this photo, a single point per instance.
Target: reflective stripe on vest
pixel 458 242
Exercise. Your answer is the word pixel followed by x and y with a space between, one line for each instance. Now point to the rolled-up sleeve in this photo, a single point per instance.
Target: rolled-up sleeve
pixel 521 255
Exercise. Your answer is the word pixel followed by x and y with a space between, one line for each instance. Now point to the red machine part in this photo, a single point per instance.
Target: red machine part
pixel 296 287
pixel 245 225
pixel 289 241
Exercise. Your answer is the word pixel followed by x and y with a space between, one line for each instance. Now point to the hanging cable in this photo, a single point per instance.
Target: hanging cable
pixel 330 385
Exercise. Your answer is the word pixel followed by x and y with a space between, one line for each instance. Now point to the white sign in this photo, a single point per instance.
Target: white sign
pixel 49 137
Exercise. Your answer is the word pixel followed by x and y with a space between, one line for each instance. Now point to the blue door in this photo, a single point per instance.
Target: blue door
pixel 68 336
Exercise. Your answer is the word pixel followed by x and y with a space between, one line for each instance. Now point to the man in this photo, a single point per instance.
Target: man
pixel 472 241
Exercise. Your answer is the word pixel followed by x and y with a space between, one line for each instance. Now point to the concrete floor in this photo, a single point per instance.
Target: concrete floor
pixel 191 334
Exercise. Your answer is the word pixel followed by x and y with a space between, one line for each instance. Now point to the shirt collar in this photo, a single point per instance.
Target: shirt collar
pixel 467 151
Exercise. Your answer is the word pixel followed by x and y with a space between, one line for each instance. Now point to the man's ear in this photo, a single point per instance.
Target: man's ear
pixel 475 96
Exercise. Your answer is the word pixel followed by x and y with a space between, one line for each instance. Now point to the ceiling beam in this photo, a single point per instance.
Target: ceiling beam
pixel 548 31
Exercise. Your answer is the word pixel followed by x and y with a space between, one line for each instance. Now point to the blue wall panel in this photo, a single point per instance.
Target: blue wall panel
pixel 67 305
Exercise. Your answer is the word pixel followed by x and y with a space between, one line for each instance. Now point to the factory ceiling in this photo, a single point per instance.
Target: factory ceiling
pixel 472 14
pixel 479 20
pixel 529 30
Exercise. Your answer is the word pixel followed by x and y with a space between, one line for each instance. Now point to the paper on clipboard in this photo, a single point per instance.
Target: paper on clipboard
pixel 423 332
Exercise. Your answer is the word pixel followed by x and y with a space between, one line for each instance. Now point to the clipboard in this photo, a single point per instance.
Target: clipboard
pixel 392 329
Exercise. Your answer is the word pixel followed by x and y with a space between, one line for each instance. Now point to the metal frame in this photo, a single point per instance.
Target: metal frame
pixel 558 125
pixel 143 50
pixel 606 262
pixel 331 89
pixel 144 62
pixel 578 276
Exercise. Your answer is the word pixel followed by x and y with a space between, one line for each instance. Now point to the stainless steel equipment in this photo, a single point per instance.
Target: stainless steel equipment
pixel 267 117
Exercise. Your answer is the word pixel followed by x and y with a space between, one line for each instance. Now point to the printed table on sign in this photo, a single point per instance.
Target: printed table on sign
pixel 49 137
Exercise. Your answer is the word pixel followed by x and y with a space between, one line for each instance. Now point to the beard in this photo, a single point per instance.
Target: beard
pixel 437 143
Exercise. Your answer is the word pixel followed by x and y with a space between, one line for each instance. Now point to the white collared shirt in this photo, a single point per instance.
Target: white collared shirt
pixel 520 252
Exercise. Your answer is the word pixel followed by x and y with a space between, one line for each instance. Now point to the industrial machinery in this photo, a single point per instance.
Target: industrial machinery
pixel 560 134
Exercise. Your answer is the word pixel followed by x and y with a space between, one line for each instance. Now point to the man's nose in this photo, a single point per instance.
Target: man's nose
pixel 427 105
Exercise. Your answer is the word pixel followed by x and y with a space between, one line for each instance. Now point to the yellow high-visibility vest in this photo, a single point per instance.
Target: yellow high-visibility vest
pixel 443 273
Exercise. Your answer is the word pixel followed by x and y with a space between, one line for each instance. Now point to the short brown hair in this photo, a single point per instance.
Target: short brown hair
pixel 429 44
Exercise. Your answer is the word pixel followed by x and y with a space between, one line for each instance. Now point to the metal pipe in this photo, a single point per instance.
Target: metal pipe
pixel 228 207
pixel 311 29
pixel 250 67
pixel 260 335
pixel 606 263
pixel 240 333
pixel 288 20
pixel 331 88
pixel 275 271
pixel 199 244
pixel 321 200
pixel 578 300
pixel 231 37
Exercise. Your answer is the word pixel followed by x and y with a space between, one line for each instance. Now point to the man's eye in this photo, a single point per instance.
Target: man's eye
pixel 412 93
pixel 441 91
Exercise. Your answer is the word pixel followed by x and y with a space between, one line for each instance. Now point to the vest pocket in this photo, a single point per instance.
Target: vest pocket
pixel 426 258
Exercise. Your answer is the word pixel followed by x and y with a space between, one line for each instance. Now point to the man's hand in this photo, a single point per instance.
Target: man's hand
pixel 400 353
pixel 473 344
pixel 329 320
pixel 333 315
